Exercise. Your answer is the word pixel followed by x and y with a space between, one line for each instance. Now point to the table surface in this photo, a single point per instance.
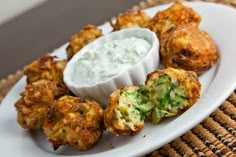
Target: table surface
pixel 46 27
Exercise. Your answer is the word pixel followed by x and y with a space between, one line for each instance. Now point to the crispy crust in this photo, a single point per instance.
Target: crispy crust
pixel 75 121
pixel 188 48
pixel 172 17
pixel 82 38
pixel 131 19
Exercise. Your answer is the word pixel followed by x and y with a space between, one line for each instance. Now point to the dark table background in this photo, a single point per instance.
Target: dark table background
pixel 46 27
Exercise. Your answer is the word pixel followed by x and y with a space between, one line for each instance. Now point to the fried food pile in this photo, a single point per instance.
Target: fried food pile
pixel 186 52
pixel 48 104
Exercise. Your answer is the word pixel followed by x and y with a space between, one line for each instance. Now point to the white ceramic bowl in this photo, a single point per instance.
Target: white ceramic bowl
pixel 134 75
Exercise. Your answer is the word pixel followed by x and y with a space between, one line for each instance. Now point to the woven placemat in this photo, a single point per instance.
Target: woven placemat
pixel 215 136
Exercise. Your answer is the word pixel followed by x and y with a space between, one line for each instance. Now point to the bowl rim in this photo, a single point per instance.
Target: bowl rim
pixel 138 32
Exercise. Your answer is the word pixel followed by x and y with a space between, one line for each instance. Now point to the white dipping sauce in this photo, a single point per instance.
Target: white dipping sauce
pixel 101 63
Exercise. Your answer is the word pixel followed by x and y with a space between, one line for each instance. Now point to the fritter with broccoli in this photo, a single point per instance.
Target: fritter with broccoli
pixel 171 91
pixel 126 110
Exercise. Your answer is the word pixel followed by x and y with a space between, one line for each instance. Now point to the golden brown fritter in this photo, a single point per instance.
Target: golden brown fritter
pixel 30 116
pixel 82 38
pixel 45 68
pixel 172 17
pixel 126 111
pixel 75 121
pixel 131 19
pixel 188 48
pixel 33 106
pixel 171 91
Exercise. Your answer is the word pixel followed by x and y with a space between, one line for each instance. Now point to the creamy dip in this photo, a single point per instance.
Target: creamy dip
pixel 101 63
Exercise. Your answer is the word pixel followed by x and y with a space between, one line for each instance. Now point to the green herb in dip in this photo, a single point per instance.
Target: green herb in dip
pixel 101 63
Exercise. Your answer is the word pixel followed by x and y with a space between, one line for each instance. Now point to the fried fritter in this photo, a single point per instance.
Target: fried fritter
pixel 131 19
pixel 82 38
pixel 171 91
pixel 176 15
pixel 126 111
pixel 45 68
pixel 33 106
pixel 75 121
pixel 188 48
pixel 30 117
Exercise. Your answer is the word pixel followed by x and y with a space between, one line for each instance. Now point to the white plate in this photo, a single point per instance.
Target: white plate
pixel 218 20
